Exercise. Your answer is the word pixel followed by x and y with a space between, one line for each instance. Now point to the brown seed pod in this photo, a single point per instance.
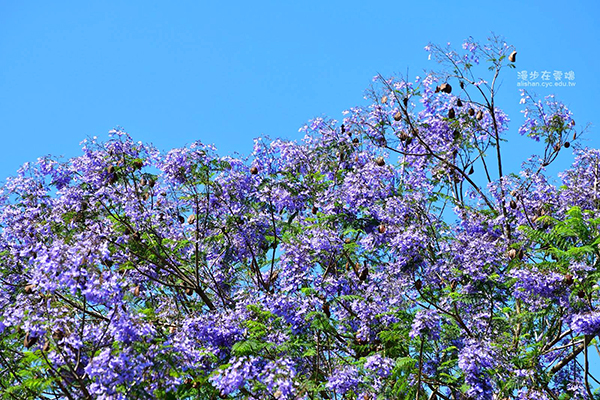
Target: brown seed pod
pixel 326 309
pixel 171 330
pixel 462 84
pixel 471 170
pixel 479 115
pixel 405 101
pixel 380 161
pixel 143 181
pixel 189 291
pixel 451 113
pixel 520 254
pixel 138 164
pixel 29 289
pixel 384 99
pixel 110 169
pixel 567 145
pixel 446 88
pixel 581 294
pixel 364 274
pixel 459 103
pixel 46 346
pixel 557 147
pixel 30 341
pixel 471 112
pixel 152 182
pixel 512 254
pixel 355 141
pixel 112 179
pixel 418 284
pixel 180 219
pixel 254 170
pixel 513 204
pixel 315 209
pixel 347 240
pixel 343 128
pixel 512 57
pixel 408 140
pixel 382 228
pixel 437 89
pixel 569 279
pixel 136 291
pixel 397 116
pixel 191 219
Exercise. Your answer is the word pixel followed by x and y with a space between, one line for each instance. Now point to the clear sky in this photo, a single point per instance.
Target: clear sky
pixel 171 73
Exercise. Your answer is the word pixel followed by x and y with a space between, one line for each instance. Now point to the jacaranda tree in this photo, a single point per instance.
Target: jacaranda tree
pixel 385 256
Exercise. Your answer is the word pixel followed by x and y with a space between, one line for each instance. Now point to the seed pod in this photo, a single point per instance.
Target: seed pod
pixel 471 170
pixel 459 103
pixel 403 136
pixel 380 161
pixel 315 209
pixel 479 115
pixel 567 145
pixel 408 140
pixel 326 309
pixel 138 164
pixel 382 228
pixel 557 147
pixel 520 254
pixel 569 279
pixel 191 219
pixel 347 240
pixel 343 128
pixel 513 204
pixel 110 169
pixel 355 141
pixel 451 113
pixel 143 181
pixel 471 112
pixel 171 330
pixel 581 294
pixel 189 291
pixel 180 219
pixel 405 101
pixel 29 341
pixel 29 289
pixel 512 254
pixel 462 84
pixel 46 346
pixel 512 57
pixel 254 170
pixel 146 196
pixel 456 134
pixel 364 274
pixel 446 88
pixel 397 116
pixel 437 89
pixel 112 179
pixel 152 182
pixel 384 99
pixel 136 291
pixel 418 284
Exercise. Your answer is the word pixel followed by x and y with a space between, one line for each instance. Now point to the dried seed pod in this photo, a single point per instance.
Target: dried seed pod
pixel 569 279
pixel 403 136
pixel 567 145
pixel 557 147
pixel 355 141
pixel 315 209
pixel 326 309
pixel 30 341
pixel 146 196
pixel 405 101
pixel 462 84
pixel 382 228
pixel 112 179
pixel 136 291
pixel 437 89
pixel 513 204
pixel 471 112
pixel 171 330
pixel 110 169
pixel 191 219
pixel 471 170
pixel 151 183
pixel 446 88
pixel 29 289
pixel 479 115
pixel 512 57
pixel 408 140
pixel 364 274
pixel 418 284
pixel 451 113
pixel 520 254
pixel 384 99
pixel 180 219
pixel 581 294
pixel 459 103
pixel 380 161
pixel 347 240
pixel 189 291
pixel 397 116
pixel 254 170
pixel 138 164
pixel 46 346
pixel 343 128
pixel 512 254
pixel 143 181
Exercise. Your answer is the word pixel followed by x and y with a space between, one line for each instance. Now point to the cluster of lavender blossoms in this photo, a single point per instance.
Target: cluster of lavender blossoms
pixel 388 255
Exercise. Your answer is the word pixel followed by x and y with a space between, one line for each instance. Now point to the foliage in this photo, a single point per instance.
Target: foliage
pixel 328 268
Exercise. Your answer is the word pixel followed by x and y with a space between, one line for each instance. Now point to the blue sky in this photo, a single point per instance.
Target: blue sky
pixel 171 73
pixel 224 73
